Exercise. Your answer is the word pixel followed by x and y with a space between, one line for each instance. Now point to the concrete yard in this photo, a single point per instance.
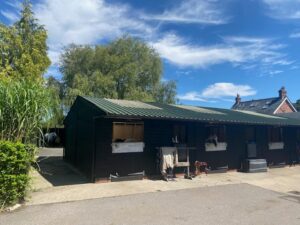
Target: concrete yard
pixel 61 183
pixel 62 196
pixel 224 204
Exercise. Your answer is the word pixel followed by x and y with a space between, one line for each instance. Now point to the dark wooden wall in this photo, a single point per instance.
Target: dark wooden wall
pixel 79 127
pixel 88 144
pixel 156 133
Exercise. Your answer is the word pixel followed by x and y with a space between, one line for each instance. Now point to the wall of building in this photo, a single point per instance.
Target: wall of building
pixel 87 138
pixel 156 133
pixel 284 108
pixel 79 126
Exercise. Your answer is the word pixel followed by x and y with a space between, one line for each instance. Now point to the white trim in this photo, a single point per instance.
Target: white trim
pixel 127 147
pixel 276 145
pixel 211 147
pixel 289 102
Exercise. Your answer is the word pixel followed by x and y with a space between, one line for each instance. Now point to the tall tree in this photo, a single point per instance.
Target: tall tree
pixel 126 68
pixel 23 48
pixel 56 110
pixel 297 105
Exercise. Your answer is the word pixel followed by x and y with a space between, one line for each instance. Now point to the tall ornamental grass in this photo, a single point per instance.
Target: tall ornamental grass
pixel 23 108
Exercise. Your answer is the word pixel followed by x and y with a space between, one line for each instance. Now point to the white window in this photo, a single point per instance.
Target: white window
pixel 215 138
pixel 275 138
pixel 128 137
pixel 128 132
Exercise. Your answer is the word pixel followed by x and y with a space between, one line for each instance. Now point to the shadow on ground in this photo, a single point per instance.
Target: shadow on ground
pixel 56 171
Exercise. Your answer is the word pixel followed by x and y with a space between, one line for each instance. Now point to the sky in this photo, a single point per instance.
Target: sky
pixel 214 49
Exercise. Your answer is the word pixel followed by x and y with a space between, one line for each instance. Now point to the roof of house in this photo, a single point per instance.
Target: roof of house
pixel 154 110
pixel 293 115
pixel 267 105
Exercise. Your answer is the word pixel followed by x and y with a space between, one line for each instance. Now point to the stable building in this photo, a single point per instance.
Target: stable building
pixel 108 136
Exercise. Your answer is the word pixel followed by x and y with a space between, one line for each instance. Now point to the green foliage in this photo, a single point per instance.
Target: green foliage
pixel 23 48
pixel 15 162
pixel 297 105
pixel 56 108
pixel 167 92
pixel 23 107
pixel 126 68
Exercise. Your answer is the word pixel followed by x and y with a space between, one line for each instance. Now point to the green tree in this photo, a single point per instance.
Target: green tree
pixel 167 92
pixel 23 62
pixel 56 112
pixel 297 105
pixel 126 68
pixel 23 48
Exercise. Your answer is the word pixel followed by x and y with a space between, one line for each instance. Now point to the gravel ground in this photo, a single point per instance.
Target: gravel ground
pixel 227 204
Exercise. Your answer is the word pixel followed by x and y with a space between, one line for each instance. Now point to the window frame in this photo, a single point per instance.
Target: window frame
pixel 223 136
pixel 140 123
pixel 271 135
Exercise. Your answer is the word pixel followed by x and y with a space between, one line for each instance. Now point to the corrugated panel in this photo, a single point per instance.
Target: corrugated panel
pixel 181 112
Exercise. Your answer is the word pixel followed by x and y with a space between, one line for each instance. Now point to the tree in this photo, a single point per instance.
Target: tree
pixel 56 110
pixel 167 92
pixel 23 48
pixel 24 100
pixel 297 105
pixel 126 68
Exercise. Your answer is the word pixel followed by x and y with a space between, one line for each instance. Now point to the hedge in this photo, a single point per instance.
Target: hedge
pixel 15 161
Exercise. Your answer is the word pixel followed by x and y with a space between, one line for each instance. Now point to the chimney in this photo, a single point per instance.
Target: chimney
pixel 282 93
pixel 238 99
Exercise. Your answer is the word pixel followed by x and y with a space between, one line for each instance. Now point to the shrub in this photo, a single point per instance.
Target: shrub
pixel 15 161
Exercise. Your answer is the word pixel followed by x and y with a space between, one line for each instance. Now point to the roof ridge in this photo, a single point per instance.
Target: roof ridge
pixel 260 99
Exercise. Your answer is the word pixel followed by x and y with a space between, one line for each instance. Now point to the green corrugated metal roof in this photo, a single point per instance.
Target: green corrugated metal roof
pixel 125 108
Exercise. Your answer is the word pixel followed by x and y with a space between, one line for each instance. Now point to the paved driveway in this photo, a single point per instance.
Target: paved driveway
pixel 60 183
pixel 225 204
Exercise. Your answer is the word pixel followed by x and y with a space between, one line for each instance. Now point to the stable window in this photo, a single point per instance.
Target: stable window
pixel 215 138
pixel 179 133
pixel 275 138
pixel 128 132
pixel 275 134
pixel 216 132
pixel 250 134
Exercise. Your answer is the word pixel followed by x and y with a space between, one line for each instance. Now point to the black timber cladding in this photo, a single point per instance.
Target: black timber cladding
pixel 89 136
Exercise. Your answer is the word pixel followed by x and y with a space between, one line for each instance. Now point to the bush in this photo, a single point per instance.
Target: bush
pixel 15 161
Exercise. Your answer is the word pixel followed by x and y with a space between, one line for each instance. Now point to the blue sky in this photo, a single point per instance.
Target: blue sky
pixel 214 49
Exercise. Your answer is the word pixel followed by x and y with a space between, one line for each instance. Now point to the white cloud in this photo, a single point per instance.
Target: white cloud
pixel 15 4
pixel 192 96
pixel 239 51
pixel 193 11
pixel 283 9
pixel 85 22
pixel 274 72
pixel 295 35
pixel 12 12
pixel 11 16
pixel 177 51
pixel 219 91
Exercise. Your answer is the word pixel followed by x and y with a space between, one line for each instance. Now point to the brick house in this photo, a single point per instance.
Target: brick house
pixel 275 105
